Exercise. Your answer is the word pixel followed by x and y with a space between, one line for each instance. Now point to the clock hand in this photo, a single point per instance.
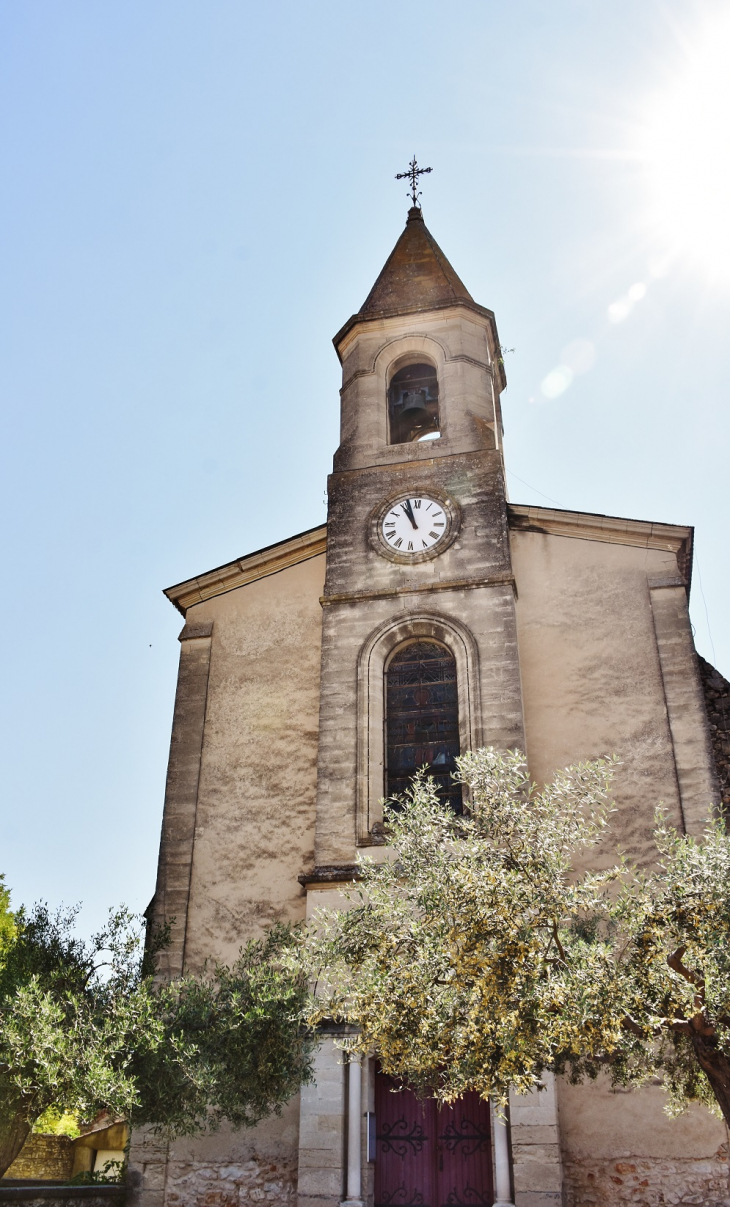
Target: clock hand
pixel 409 512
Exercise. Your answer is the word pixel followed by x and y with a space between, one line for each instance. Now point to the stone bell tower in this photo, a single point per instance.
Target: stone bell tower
pixel 418 567
pixel 421 436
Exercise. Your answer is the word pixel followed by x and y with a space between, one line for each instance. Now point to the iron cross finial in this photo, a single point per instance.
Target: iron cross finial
pixel 412 174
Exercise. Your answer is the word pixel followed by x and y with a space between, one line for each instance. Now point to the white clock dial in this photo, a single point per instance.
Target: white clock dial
pixel 413 525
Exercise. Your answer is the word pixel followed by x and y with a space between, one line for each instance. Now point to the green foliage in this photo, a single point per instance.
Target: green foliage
pixel 70 1013
pixel 233 1043
pixel 479 955
pixel 86 1026
pixel 451 963
pixel 55 1121
pixel 7 917
pixel 672 956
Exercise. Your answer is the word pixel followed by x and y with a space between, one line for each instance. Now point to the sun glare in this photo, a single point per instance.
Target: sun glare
pixel 686 147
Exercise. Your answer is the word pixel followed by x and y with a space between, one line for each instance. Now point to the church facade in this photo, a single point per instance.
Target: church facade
pixel 428 616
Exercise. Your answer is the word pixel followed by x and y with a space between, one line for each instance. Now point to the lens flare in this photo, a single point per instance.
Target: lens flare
pixel 620 310
pixel 684 144
pixel 556 382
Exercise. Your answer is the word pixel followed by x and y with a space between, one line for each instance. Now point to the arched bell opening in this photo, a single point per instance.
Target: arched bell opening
pixel 413 404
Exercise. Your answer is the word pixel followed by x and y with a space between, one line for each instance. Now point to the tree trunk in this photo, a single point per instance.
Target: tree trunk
pixel 14 1131
pixel 715 1064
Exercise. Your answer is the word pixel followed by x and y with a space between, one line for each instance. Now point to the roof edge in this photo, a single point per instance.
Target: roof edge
pixel 615 530
pixel 397 312
pixel 259 564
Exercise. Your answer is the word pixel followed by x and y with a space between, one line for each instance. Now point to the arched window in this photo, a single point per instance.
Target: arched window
pixel 422 719
pixel 413 404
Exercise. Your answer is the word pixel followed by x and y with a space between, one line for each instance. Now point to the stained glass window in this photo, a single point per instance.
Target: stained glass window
pixel 422 719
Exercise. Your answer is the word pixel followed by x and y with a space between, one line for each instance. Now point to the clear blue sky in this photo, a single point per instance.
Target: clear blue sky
pixel 196 196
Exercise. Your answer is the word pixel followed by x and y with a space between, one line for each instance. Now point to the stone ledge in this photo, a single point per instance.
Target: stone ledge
pixel 34 1192
pixel 615 530
pixel 503 578
pixel 330 873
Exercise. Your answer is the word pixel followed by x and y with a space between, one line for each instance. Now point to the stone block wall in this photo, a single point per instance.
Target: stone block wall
pixel 195 1184
pixel 647 1182
pixel 322 1131
pixel 159 1180
pixel 46 1158
pixel 536 1158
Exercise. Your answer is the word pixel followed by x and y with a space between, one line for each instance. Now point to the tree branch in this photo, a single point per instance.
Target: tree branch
pixel 675 963
pixel 628 1024
pixel 558 944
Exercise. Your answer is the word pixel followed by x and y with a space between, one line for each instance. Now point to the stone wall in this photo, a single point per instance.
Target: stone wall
pixel 647 1182
pixel 620 1146
pixel 717 699
pixel 62 1196
pixel 198 1184
pixel 46 1158
pixel 226 1168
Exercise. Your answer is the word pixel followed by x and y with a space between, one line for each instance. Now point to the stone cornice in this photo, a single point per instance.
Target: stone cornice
pixel 580 525
pixel 383 316
pixel 330 875
pixel 457 584
pixel 586 526
pixel 248 569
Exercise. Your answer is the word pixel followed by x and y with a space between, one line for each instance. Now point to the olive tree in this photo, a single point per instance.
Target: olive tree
pixel 480 953
pixel 86 1026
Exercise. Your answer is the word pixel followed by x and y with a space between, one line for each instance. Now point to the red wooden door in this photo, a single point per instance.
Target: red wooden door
pixel 464 1153
pixel 431 1157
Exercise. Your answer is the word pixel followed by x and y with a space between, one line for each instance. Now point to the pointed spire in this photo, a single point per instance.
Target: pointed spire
pixel 416 275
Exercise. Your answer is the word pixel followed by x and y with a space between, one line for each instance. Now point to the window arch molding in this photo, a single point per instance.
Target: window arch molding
pixel 373 661
pixel 409 358
pixel 403 350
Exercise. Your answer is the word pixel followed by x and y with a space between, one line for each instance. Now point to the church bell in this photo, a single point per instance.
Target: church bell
pixel 414 405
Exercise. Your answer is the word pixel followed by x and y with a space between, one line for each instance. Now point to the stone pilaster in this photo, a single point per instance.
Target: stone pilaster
pixel 322 1131
pixel 536 1159
pixel 171 900
pixel 698 789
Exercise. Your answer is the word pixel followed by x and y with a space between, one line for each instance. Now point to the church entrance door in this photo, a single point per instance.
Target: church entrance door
pixel 431 1156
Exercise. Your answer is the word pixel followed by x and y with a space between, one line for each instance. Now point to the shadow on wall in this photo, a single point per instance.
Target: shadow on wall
pixel 716 691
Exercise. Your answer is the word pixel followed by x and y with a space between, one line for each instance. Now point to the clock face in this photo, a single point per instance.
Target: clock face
pixel 414 525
